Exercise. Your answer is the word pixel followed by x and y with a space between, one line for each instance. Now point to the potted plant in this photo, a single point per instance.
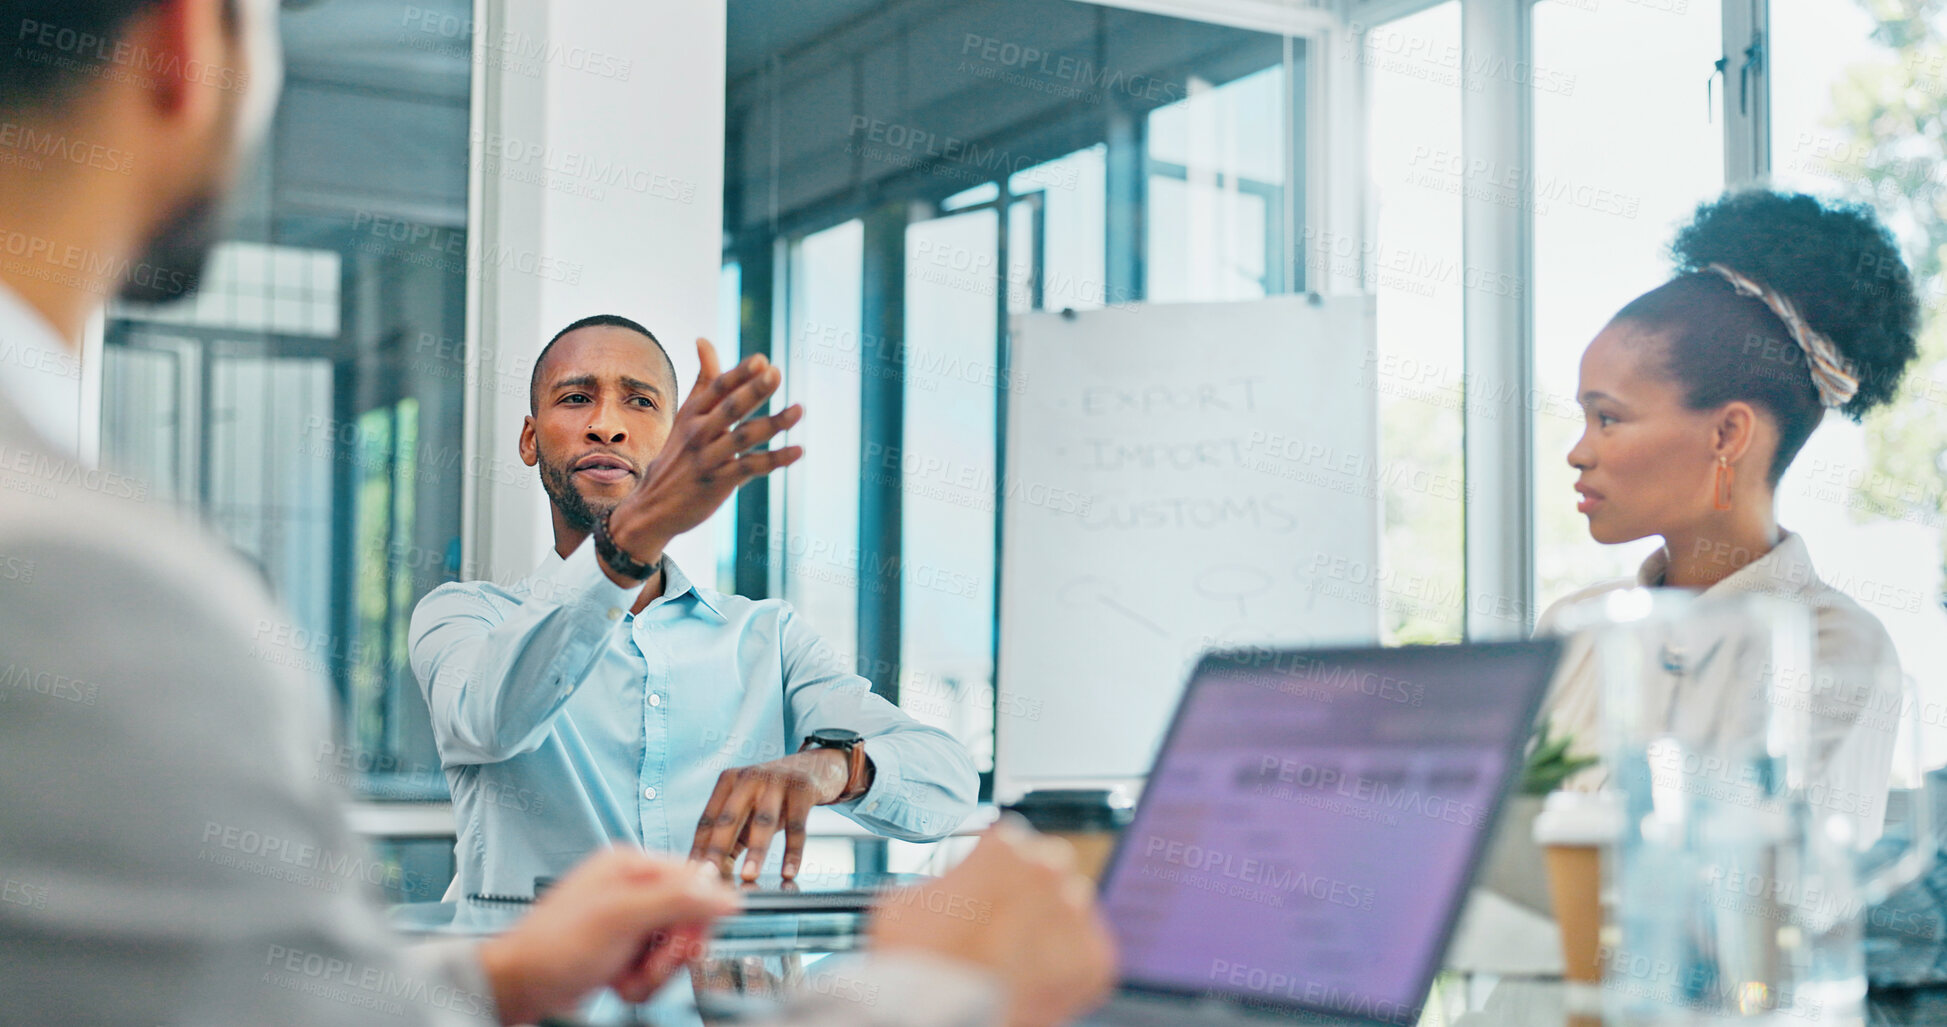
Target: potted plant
pixel 1549 763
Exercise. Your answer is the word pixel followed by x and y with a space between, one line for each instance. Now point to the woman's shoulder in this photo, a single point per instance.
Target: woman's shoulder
pixel 1549 621
pixel 1848 632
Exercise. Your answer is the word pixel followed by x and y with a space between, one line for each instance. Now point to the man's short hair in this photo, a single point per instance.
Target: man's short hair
pixel 52 49
pixel 592 321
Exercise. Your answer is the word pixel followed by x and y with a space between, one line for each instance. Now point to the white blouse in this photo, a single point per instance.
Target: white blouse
pixel 1854 755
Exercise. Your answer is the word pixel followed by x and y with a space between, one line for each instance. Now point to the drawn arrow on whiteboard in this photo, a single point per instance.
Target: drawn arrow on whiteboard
pixel 1103 592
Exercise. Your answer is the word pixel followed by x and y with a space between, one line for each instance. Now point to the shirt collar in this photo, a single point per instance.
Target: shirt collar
pixel 39 375
pixel 1786 569
pixel 675 583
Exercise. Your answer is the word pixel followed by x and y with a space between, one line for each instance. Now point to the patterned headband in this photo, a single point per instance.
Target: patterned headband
pixel 1831 373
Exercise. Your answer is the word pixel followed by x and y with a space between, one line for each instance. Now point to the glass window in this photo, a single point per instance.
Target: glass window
pixel 986 192
pixel 948 471
pixel 819 544
pixel 1216 191
pixel 308 402
pixel 144 430
pixel 1060 244
pixel 1624 150
pixel 1416 271
pixel 1847 93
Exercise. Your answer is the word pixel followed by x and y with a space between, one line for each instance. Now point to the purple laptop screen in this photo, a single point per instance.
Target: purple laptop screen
pixel 1307 832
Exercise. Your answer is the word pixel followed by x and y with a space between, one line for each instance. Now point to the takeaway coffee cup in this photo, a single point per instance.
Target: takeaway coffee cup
pixel 1087 818
pixel 1572 829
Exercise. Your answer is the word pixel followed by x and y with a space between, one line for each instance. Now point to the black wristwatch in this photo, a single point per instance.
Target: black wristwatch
pixel 612 554
pixel 852 744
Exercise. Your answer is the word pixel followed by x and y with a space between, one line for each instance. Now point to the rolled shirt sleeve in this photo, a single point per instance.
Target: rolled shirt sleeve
pixel 495 668
pixel 924 783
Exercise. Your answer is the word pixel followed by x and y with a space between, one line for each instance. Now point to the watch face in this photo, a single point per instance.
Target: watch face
pixel 836 737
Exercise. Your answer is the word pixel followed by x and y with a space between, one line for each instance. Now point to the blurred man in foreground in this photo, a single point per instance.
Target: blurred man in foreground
pixel 166 856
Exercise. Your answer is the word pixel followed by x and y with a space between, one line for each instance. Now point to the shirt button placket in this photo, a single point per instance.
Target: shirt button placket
pixel 655 739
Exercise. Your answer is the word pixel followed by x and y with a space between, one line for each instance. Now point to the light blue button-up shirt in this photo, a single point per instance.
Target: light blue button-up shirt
pixel 566 723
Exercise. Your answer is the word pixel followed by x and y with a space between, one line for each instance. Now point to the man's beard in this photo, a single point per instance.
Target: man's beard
pixel 173 264
pixel 576 509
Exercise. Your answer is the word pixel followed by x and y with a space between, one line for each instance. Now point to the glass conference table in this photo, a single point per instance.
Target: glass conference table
pixel 750 961
pixel 753 959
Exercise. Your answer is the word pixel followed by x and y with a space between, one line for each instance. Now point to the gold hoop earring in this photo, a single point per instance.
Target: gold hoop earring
pixel 1726 476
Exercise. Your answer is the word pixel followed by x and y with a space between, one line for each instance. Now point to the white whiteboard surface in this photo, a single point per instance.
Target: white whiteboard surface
pixel 1180 476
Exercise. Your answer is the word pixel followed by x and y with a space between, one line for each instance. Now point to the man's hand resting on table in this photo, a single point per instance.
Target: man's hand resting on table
pixel 622 919
pixel 751 803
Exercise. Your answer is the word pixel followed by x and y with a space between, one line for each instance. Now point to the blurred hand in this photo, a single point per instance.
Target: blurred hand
pixel 1017 909
pixel 622 919
pixel 707 456
pixel 751 803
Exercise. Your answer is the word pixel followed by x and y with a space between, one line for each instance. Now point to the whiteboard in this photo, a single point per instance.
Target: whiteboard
pixel 1179 476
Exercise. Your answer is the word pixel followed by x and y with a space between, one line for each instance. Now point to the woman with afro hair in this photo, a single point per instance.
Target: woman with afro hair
pixel 1696 397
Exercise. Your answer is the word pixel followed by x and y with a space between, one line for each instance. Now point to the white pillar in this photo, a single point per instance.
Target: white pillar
pixel 597 188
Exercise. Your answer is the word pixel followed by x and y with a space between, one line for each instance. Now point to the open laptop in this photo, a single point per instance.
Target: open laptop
pixel 1310 829
pixel 821 893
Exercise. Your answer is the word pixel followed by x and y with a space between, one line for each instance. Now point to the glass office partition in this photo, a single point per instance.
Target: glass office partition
pixel 308 402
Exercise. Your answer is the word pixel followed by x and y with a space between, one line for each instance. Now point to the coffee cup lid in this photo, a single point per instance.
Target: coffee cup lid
pixel 1579 818
pixel 1075 809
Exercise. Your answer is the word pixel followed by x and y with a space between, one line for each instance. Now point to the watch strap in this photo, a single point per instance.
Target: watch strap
pixel 855 765
pixel 855 783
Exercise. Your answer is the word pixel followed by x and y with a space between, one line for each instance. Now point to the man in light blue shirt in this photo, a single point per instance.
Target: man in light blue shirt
pixel 608 697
